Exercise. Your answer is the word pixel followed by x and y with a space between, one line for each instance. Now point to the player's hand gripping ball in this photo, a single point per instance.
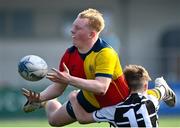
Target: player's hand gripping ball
pixel 32 68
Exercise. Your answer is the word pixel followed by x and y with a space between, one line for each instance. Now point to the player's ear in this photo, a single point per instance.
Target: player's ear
pixel 92 34
pixel 145 87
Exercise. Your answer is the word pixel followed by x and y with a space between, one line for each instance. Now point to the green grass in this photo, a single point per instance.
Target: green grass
pixel 163 122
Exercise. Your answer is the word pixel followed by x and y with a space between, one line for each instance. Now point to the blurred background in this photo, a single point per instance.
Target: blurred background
pixel 145 32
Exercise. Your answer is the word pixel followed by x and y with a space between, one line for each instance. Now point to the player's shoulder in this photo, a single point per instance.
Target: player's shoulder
pixel 132 99
pixel 135 98
pixel 139 98
pixel 104 49
pixel 101 45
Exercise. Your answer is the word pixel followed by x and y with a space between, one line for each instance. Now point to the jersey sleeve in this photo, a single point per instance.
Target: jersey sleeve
pixel 105 63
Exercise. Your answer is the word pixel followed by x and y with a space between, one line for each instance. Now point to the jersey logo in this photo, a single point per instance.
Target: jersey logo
pixel 91 69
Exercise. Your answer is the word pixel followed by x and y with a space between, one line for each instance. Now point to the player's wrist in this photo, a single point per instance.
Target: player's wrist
pixel 42 98
pixel 69 81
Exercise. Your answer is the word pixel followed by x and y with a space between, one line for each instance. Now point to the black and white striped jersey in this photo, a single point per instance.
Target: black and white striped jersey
pixel 136 111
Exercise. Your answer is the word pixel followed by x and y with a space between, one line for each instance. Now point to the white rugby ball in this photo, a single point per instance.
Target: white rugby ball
pixel 32 68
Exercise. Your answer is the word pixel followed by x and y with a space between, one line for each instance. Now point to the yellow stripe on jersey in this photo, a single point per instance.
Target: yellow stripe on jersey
pixel 118 90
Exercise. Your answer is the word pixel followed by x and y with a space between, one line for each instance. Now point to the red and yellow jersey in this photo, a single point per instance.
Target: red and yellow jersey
pixel 74 62
pixel 102 61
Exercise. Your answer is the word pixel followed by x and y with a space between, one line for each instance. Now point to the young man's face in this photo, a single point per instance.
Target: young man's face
pixel 80 32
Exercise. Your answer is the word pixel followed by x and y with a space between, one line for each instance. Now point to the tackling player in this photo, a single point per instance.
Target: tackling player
pixel 138 110
pixel 91 65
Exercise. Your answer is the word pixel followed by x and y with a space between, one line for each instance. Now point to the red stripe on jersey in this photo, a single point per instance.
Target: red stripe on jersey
pixel 117 92
pixel 74 63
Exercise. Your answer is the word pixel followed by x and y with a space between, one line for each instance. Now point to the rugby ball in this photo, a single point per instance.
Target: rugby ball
pixel 32 68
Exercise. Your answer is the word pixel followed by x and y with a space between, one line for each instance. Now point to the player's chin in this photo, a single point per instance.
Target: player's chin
pixel 73 41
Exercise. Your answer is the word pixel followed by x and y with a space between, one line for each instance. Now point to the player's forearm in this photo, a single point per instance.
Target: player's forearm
pixel 52 91
pixel 94 86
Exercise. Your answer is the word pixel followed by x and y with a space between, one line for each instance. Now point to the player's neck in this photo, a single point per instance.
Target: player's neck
pixel 138 91
pixel 87 46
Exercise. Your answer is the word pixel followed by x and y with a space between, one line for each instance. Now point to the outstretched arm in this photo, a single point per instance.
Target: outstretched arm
pixel 52 91
pixel 98 86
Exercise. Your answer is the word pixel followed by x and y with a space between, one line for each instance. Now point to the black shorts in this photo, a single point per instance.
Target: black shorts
pixel 70 110
pixel 83 102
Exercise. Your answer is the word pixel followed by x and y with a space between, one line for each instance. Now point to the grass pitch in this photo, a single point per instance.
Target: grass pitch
pixel 163 122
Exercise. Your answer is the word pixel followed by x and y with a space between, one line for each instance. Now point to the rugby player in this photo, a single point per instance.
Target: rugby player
pixel 139 109
pixel 91 65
